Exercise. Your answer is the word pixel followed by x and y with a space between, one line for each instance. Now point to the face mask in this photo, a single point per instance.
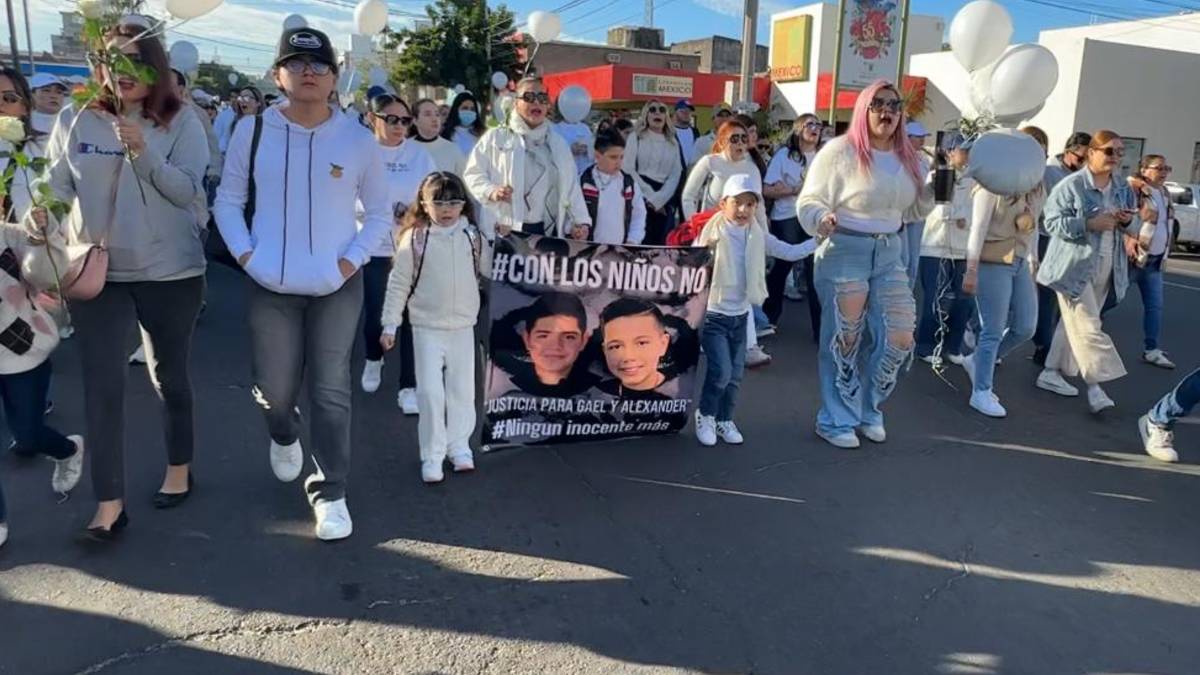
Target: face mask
pixel 467 117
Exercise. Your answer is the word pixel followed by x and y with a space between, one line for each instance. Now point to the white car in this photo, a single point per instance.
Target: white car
pixel 1186 229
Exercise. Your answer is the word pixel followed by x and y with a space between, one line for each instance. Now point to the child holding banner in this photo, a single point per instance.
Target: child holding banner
pixel 439 238
pixel 739 280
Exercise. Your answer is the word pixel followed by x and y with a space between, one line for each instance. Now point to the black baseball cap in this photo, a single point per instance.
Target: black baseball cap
pixel 308 42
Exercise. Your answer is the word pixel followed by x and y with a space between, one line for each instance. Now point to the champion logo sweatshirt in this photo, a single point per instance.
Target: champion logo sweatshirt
pixel 308 182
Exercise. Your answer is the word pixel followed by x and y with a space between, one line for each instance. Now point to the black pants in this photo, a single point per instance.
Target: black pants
pixel 789 230
pixel 1047 321
pixel 375 278
pixel 24 397
pixel 658 223
pixel 166 311
pixel 534 228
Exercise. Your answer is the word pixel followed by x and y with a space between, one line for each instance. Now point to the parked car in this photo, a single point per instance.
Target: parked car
pixel 1186 228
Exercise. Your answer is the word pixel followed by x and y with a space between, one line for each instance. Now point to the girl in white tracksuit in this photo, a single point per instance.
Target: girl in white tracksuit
pixel 440 259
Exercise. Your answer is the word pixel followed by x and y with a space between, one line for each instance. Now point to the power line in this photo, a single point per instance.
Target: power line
pixel 1068 8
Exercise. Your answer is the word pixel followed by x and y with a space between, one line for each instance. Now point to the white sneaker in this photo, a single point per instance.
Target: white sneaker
pixel 766 331
pixel 333 520
pixel 729 433
pixel 1052 381
pixel 3 533
pixel 706 429
pixel 956 359
pixel 987 403
pixel 968 364
pixel 876 433
pixel 372 376
pixel 1158 442
pixel 138 356
pixel 287 461
pixel 68 471
pixel 1098 401
pixel 1157 357
pixel 462 461
pixel 846 441
pixel 407 400
pixel 757 357
pixel 431 471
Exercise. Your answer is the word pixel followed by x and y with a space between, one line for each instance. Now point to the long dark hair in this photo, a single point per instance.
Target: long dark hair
pixel 452 121
pixel 437 186
pixel 20 84
pixel 161 103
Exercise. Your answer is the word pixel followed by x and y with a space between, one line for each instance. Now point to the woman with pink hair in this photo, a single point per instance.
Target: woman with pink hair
pixel 860 187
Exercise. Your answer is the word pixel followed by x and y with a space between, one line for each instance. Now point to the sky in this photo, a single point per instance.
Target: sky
pixel 242 33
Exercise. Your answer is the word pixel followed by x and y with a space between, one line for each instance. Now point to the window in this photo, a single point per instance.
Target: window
pixel 1182 196
pixel 612 57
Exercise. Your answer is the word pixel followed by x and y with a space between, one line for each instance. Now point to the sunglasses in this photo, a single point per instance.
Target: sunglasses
pixel 11 97
pixel 395 120
pixel 879 105
pixel 247 98
pixel 298 66
pixel 740 139
pixel 1111 152
pixel 656 109
pixel 814 125
pixel 447 204
pixel 536 97
pixel 1158 167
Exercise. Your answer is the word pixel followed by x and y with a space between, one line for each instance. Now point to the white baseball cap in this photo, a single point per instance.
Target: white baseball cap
pixel 740 184
pixel 41 80
pixel 916 130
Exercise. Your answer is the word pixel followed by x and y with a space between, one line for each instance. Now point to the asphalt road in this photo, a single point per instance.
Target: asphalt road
pixel 1044 543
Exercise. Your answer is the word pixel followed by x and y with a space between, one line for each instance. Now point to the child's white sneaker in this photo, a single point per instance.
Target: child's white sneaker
pixel 706 429
pixel 729 433
pixel 407 400
pixel 372 376
pixel 462 461
pixel 431 471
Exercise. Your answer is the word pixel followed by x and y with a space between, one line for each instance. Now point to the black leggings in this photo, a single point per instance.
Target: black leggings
pixel 375 278
pixel 789 230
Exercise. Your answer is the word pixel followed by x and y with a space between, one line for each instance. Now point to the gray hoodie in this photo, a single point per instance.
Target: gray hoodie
pixel 143 210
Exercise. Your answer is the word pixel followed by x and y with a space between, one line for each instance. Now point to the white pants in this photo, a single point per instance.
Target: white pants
pixel 445 366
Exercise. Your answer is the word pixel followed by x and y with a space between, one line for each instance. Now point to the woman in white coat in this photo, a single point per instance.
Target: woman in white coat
pixel 523 174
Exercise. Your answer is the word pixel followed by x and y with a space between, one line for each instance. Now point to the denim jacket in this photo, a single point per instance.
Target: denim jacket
pixel 1072 255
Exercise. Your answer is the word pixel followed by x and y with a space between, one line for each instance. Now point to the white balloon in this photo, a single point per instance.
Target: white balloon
pixel 1007 162
pixel 574 103
pixel 1016 119
pixel 544 26
pixel 377 77
pixel 233 79
pixel 979 33
pixel 1022 79
pixel 503 105
pixel 370 16
pixel 499 80
pixel 458 88
pixel 294 21
pixel 190 9
pixel 184 56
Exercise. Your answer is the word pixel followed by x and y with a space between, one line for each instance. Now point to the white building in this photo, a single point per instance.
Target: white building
pixel 802 55
pixel 1138 78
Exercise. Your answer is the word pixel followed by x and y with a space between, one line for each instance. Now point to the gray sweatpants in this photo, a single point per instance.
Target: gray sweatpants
pixel 292 333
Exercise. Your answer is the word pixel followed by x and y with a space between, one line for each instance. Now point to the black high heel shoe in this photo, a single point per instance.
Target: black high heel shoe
pixel 165 500
pixel 102 535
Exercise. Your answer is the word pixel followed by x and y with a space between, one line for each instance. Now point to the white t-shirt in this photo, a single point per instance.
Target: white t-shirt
pixel 42 122
pixel 405 166
pixel 784 169
pixel 736 301
pixel 1158 245
pixel 687 141
pixel 577 133
pixel 610 212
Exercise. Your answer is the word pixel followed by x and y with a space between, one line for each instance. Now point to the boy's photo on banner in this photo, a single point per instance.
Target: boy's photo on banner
pixel 591 341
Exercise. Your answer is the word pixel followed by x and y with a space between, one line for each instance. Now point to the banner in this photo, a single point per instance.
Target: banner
pixel 591 341
pixel 870 42
pixel 662 85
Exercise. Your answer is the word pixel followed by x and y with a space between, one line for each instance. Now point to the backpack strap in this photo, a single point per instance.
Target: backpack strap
pixel 420 237
pixel 591 193
pixel 476 239
pixel 251 187
pixel 628 192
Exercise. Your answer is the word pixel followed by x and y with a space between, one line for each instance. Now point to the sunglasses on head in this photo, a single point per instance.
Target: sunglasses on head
pixel 879 105
pixel 11 97
pixel 396 120
pixel 536 97
pixel 1111 152
pixel 739 138
pixel 298 66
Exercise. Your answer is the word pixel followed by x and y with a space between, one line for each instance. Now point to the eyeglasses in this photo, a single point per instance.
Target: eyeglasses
pixel 536 97
pixel 447 204
pixel 298 66
pixel 659 109
pixel 879 105
pixel 247 98
pixel 1161 168
pixel 1077 155
pixel 11 97
pixel 740 139
pixel 395 120
pixel 1111 152
pixel 814 125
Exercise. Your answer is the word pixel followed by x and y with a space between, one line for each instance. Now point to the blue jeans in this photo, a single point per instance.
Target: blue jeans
pixel 24 397
pixel 724 341
pixel 911 235
pixel 760 317
pixel 1007 301
pixel 941 292
pixel 1179 403
pixel 1149 280
pixel 867 320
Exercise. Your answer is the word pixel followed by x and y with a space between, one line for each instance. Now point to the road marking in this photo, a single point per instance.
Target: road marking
pixel 1190 288
pixel 701 488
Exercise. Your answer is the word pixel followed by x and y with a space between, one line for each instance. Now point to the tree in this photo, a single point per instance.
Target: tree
pixel 214 79
pixel 454 47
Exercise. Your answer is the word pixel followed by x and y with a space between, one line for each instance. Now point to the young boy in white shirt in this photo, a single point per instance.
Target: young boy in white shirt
pixel 613 198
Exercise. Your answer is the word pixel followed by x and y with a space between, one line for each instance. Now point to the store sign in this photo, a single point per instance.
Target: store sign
pixel 791 41
pixel 870 42
pixel 645 84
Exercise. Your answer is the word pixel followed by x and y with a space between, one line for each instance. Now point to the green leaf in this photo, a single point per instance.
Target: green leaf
pixel 21 160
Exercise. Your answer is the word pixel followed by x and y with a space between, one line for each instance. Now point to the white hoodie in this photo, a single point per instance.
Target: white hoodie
pixel 447 293
pixel 307 184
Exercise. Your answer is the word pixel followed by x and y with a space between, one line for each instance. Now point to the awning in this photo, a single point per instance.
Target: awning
pixel 611 83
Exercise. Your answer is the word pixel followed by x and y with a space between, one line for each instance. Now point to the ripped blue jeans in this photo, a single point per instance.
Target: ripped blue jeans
pixel 867 321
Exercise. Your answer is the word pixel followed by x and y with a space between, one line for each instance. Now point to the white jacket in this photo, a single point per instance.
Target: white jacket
pixel 446 296
pixel 498 160
pixel 943 238
pixel 307 184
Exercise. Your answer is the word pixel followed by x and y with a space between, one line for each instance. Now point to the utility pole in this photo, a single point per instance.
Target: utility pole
pixel 749 50
pixel 837 66
pixel 28 38
pixel 903 44
pixel 648 20
pixel 12 35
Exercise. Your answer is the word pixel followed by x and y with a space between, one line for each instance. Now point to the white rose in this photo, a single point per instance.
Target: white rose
pixel 12 129
pixel 92 9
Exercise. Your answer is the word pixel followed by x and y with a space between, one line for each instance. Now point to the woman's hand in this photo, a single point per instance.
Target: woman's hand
pixel 504 230
pixel 501 194
pixel 1102 222
pixel 130 135
pixel 970 280
pixel 387 341
pixel 347 268
pixel 1131 247
pixel 827 225
pixel 244 259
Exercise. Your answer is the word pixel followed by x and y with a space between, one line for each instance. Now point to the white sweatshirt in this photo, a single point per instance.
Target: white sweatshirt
pixel 308 182
pixel 447 293
pixel 446 154
pixel 652 155
pixel 715 170
pixel 405 166
pixel 947 226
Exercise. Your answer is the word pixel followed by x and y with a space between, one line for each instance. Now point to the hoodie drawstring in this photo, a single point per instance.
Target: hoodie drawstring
pixel 287 153
pixel 311 136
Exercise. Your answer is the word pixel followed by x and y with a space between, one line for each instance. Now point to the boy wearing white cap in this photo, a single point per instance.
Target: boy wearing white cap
pixel 48 95
pixel 740 244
